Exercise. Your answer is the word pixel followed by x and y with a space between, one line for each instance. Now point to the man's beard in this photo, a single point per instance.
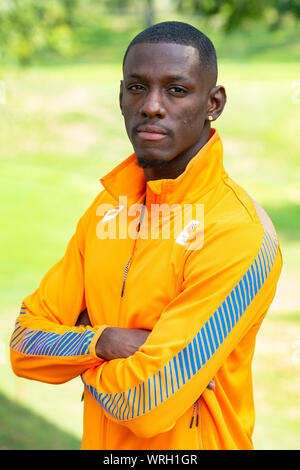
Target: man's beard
pixel 144 163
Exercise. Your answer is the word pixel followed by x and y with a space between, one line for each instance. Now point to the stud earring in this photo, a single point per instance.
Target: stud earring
pixel 210 118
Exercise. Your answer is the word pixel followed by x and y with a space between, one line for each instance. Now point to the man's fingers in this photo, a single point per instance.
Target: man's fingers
pixel 211 385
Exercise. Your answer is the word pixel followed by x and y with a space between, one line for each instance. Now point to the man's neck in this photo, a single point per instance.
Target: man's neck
pixel 174 168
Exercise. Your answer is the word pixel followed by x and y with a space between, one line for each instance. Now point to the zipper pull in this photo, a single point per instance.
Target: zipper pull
pixel 125 276
pixel 197 416
pixel 192 420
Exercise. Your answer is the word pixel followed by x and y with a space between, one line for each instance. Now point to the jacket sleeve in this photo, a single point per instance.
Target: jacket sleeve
pixel 227 288
pixel 45 344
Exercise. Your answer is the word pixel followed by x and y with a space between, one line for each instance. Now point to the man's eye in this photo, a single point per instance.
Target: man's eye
pixel 177 90
pixel 135 87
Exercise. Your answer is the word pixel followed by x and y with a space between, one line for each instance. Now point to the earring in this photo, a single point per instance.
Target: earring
pixel 210 118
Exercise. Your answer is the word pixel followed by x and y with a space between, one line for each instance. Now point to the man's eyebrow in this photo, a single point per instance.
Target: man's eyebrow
pixel 177 77
pixel 167 78
pixel 134 75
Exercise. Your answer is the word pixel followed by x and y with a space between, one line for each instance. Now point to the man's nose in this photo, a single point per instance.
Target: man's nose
pixel 153 105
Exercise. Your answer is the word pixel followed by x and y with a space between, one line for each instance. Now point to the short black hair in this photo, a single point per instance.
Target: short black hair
pixel 179 33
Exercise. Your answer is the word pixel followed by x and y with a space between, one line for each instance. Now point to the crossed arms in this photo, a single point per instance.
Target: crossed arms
pixel 146 380
pixel 116 343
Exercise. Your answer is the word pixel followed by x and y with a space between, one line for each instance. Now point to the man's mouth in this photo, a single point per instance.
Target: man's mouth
pixel 151 133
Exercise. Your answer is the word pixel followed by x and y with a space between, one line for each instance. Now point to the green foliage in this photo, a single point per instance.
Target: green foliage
pixel 28 27
pixel 231 14
pixel 35 29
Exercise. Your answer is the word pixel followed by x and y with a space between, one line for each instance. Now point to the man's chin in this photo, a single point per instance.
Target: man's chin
pixel 150 163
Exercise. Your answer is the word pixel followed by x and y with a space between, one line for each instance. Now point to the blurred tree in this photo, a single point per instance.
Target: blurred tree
pixel 149 13
pixel 146 7
pixel 281 8
pixel 30 26
pixel 234 12
pixel 231 12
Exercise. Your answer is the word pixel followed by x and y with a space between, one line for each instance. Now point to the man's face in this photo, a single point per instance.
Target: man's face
pixel 164 99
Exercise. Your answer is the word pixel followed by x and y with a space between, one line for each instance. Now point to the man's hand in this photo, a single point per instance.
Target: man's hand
pixel 116 343
pixel 83 319
pixel 120 342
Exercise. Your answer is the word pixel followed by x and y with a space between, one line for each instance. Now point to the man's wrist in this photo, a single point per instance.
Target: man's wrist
pixel 98 330
pixel 100 348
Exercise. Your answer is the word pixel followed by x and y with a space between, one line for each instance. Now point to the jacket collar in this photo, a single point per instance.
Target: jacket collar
pixel 202 173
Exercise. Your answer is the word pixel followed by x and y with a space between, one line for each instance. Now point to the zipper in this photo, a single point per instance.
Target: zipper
pixel 129 262
pixel 127 267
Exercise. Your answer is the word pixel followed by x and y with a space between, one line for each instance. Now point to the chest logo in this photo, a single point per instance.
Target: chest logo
pixel 186 232
pixel 111 214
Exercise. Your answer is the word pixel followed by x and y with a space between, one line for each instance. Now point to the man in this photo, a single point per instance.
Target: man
pixel 149 319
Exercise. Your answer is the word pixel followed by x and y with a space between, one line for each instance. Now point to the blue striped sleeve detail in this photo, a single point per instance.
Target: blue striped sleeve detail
pixel 42 343
pixel 191 356
pixel 176 371
pixel 144 398
pixel 160 387
pixel 139 402
pixel 181 368
pixel 132 412
pixel 23 309
pixel 166 381
pixel 204 341
pixel 212 327
pixel 196 353
pixel 219 328
pixel 200 345
pixel 155 396
pixel 186 363
pixel 171 377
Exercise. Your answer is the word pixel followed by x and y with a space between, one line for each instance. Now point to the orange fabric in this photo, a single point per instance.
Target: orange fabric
pixel 203 291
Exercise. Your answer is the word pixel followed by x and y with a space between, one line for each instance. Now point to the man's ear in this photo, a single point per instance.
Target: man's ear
pixel 121 95
pixel 216 102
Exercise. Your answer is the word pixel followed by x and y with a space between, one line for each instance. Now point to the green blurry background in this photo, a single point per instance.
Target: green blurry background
pixel 61 130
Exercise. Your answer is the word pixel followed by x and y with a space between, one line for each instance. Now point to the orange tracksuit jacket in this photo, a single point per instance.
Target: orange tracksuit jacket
pixel 204 306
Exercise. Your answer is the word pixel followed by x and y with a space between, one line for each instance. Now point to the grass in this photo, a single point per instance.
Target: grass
pixel 22 429
pixel 60 131
pixel 276 382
